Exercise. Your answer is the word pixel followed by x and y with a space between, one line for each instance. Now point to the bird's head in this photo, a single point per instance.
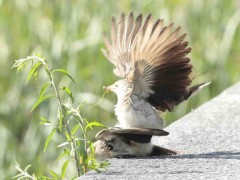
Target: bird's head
pixel 121 88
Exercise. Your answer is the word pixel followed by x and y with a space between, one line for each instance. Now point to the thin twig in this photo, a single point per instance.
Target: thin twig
pixel 63 113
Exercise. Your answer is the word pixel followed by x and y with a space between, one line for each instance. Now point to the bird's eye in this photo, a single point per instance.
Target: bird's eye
pixel 109 147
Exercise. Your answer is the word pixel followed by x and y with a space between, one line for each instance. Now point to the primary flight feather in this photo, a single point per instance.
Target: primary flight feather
pixel 152 61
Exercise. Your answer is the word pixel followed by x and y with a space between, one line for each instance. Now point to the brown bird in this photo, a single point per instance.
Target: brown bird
pixel 120 143
pixel 152 61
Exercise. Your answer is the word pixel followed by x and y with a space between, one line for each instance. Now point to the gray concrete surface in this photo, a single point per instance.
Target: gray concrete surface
pixel 208 142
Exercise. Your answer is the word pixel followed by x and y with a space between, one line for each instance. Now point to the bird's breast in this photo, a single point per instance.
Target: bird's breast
pixel 137 114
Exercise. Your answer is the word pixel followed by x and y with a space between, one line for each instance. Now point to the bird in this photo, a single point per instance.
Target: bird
pixel 126 143
pixel 151 61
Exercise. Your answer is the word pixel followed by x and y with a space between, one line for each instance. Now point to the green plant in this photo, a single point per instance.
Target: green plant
pixel 67 123
pixel 72 31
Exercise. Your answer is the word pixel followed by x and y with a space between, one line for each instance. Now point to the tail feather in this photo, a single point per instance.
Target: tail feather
pixel 195 89
pixel 159 151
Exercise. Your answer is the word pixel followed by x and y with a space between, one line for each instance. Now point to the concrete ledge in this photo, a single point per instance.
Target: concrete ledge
pixel 208 142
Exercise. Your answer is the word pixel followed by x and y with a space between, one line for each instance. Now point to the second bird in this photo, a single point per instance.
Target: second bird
pixel 152 61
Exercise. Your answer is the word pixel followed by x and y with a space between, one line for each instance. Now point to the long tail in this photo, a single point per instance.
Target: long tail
pixel 159 151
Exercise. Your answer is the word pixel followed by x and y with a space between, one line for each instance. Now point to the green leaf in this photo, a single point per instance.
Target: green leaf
pixel 44 121
pixel 20 66
pixel 20 63
pixel 64 72
pixel 55 175
pixel 68 91
pixel 63 154
pixel 35 75
pixel 67 135
pixel 43 89
pixel 75 129
pixel 63 144
pixel 49 138
pixel 33 70
pixel 92 147
pixel 40 100
pixel 91 156
pixel 38 55
pixel 94 123
pixel 27 167
pixel 19 176
pixel 64 168
pixel 81 105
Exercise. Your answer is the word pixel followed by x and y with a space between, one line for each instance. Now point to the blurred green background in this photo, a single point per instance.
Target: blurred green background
pixel 69 34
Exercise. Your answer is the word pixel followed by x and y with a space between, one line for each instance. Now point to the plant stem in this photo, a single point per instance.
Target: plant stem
pixel 63 113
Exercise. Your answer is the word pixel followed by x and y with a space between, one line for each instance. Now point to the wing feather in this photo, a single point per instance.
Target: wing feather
pixel 140 135
pixel 128 31
pixel 113 31
pixel 152 57
pixel 138 25
pixel 121 25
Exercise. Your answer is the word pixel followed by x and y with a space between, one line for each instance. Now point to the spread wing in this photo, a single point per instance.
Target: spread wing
pixel 140 135
pixel 139 131
pixel 152 57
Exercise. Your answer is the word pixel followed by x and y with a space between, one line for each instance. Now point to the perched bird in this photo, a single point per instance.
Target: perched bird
pixel 120 143
pixel 152 61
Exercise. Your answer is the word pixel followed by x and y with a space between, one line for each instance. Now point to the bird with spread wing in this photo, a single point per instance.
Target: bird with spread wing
pixel 152 61
pixel 135 142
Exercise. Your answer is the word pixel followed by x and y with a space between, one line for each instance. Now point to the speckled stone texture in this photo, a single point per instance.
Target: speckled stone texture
pixel 207 140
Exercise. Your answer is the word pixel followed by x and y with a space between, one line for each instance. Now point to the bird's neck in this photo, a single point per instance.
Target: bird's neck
pixel 123 98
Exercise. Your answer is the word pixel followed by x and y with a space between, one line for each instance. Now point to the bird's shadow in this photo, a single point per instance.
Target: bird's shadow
pixel 208 155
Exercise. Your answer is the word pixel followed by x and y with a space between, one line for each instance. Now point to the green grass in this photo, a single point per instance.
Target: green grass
pixel 69 35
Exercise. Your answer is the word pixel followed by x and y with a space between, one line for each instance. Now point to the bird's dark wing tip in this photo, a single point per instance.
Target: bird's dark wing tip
pixel 159 151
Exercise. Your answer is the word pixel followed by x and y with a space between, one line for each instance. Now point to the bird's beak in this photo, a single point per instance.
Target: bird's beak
pixel 107 88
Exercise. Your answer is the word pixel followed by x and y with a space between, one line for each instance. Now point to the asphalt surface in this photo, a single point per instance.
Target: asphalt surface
pixel 207 140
